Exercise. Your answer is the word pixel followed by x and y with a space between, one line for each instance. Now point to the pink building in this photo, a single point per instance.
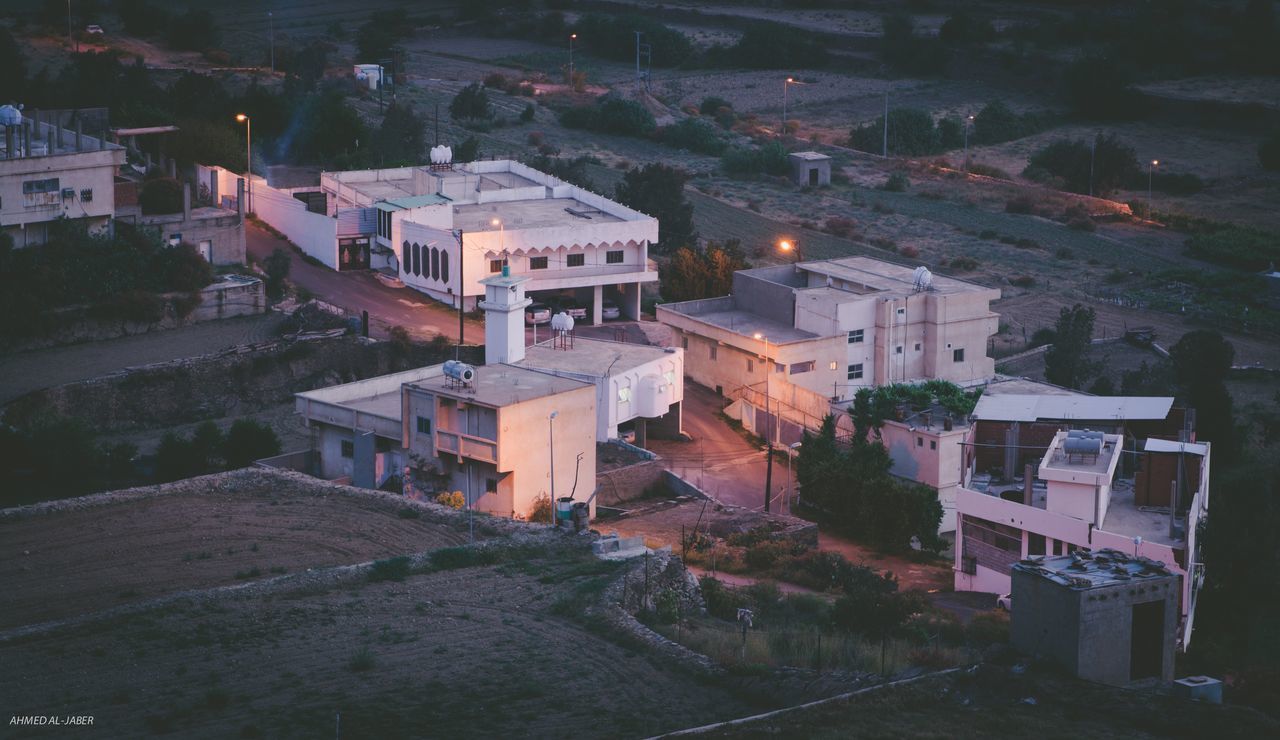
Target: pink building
pixel 1048 475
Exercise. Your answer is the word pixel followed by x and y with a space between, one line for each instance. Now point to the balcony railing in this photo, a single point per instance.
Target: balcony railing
pixel 466 445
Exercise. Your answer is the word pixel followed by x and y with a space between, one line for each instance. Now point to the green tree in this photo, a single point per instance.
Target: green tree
pixel 658 190
pixel 247 441
pixel 376 39
pixel 1110 163
pixel 911 132
pixel 471 102
pixel 614 37
pixel 683 276
pixel 142 18
pixel 400 138
pixel 161 195
pixel 1099 87
pixel 14 80
pixel 615 115
pixel 1066 362
pixel 194 30
pixel 1201 361
pixel 468 150
pixel 276 266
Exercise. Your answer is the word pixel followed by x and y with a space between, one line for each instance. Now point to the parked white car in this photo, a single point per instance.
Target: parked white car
pixel 537 313
pixel 1004 602
pixel 609 310
pixel 94 30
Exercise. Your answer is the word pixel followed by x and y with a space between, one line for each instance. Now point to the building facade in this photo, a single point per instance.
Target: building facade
pixel 48 174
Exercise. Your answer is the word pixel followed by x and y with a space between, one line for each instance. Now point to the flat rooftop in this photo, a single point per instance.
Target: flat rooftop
pixel 1056 458
pixel 1087 569
pixel 529 214
pixel 1074 407
pixel 1125 517
pixel 1004 385
pixel 878 276
pixel 502 385
pixel 378 396
pixel 591 356
pixel 720 312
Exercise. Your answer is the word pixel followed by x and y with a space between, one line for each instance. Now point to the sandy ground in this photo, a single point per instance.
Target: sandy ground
pixel 200 533
pixel 477 652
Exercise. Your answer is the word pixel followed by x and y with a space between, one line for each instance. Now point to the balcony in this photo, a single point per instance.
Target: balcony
pixel 466 445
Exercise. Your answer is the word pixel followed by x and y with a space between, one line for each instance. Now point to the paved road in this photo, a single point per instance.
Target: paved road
pixel 361 291
pixel 28 371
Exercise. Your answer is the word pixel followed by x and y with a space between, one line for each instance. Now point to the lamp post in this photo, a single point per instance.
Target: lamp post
pixel 768 476
pixel 785 85
pixel 70 41
pixel 791 452
pixel 967 122
pixel 1150 170
pixel 551 433
pixel 572 37
pixel 502 230
pixel 462 261
pixel 271 33
pixel 248 158
pixel 791 245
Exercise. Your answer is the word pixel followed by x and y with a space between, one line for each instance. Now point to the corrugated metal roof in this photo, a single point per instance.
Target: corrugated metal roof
pixel 1018 407
pixel 1164 445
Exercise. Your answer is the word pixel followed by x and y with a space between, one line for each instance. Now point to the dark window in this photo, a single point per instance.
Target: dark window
pixel 917 346
pixel 86 195
pixel 1001 536
pixel 613 257
pixel 495 265
pixel 855 372
pixel 801 367
pixel 897 350
pixel 751 365
pixel 31 187
pixel 537 263
pixel 919 441
pixel 855 336
pixel 490 485
pixel 933 444
pixel 684 342
pixel 958 355
pixel 444 266
pixel 405 256
pixel 576 260
pixel 348 448
pixel 417 259
pixel 435 263
pixel 713 352
pixel 424 425
pixel 1035 544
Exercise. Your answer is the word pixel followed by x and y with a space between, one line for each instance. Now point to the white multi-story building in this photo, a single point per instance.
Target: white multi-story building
pixel 416 221
pixel 48 173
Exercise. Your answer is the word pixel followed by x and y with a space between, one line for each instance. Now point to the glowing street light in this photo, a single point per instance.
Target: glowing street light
pixel 572 37
pixel 248 158
pixel 1150 169
pixel 786 84
pixel 502 230
pixel 768 476
pixel 967 122
pixel 787 245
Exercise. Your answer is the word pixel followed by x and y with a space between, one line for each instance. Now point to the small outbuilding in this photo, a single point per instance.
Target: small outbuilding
pixel 1104 616
pixel 810 168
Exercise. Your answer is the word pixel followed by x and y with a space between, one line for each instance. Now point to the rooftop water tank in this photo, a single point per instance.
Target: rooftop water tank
pixel 562 322
pixel 652 398
pixel 459 371
pixel 10 115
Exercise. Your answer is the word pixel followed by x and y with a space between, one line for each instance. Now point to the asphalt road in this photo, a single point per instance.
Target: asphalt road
pixel 361 291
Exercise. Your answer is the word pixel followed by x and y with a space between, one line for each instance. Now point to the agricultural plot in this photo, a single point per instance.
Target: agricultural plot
pixel 74 557
pixel 487 651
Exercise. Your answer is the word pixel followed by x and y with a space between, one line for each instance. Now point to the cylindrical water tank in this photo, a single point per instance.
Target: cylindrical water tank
pixel 459 371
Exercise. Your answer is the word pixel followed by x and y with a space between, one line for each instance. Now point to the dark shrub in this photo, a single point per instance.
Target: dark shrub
pixel 161 195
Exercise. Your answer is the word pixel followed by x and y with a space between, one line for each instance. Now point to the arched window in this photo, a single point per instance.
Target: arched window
pixel 404 257
pixel 417 259
pixel 435 263
pixel 444 266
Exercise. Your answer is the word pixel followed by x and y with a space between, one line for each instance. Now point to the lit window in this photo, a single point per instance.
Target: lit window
pixel 958 355
pixel 855 336
pixel 537 263
pixel 613 257
pixel 832 366
pixel 576 260
pixel 855 372
pixel 624 395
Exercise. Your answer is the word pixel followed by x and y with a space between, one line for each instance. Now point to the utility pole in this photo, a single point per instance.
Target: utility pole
pixel 1093 145
pixel 551 433
pixel 462 261
pixel 885 150
pixel 768 475
pixel 70 39
pixel 271 32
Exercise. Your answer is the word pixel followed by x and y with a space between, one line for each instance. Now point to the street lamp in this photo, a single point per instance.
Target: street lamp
pixel 768 476
pixel 967 123
pixel 787 83
pixel 502 230
pixel 271 32
pixel 791 452
pixel 791 245
pixel 572 37
pixel 1150 169
pixel 248 157
pixel 551 432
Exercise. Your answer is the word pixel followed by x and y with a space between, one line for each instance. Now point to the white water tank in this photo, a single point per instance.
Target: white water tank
pixel 562 322
pixel 653 397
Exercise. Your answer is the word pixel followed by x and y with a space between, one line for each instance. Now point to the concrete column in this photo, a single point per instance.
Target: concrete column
pixel 186 201
pixel 173 167
pixel 240 198
pixel 642 433
pixel 597 304
pixel 631 301
pixel 213 189
pixel 79 135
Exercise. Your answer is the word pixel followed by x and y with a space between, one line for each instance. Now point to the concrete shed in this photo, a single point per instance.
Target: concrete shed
pixel 810 168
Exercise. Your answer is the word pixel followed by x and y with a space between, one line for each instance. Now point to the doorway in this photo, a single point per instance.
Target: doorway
pixel 813 177
pixel 1146 641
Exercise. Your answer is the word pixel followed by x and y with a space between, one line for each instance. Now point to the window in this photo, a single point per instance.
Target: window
pixel 801 367
pixel 713 352
pixel 435 263
pixel 751 365
pixel 537 263
pixel 613 257
pixel 958 355
pixel 86 195
pixel 495 265
pixel 490 485
pixel 855 372
pixel 348 448
pixel 778 367
pixel 919 441
pixel 1035 544
pixel 417 259
pixel 684 342
pixel 855 336
pixel 897 350
pixel 832 365
pixel 902 312
pixel 424 425
pixel 32 187
pixel 624 395
pixel 175 239
pixel 444 266
pixel 405 256
pixel 933 444
pixel 576 260
pixel 917 346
